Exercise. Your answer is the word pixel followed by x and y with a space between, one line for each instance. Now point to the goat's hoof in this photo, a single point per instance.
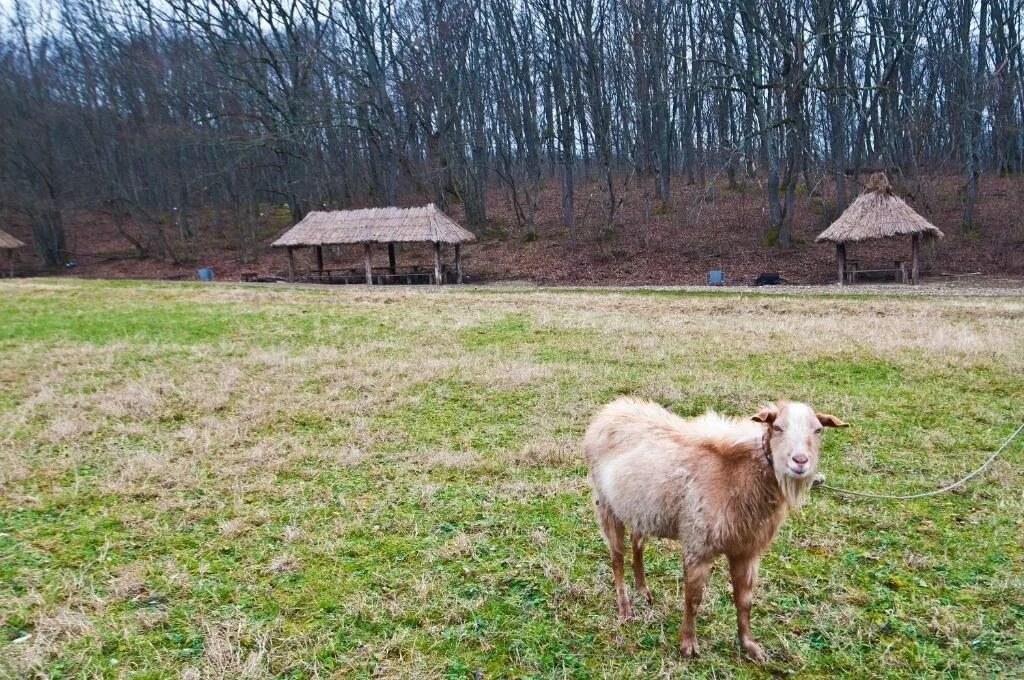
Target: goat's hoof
pixel 754 651
pixel 689 649
pixel 625 611
pixel 648 597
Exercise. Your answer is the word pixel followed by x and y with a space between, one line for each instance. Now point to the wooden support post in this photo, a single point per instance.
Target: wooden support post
pixel 458 263
pixel 841 259
pixel 368 262
pixel 391 258
pixel 319 258
pixel 291 264
pixel 915 256
pixel 437 262
pixel 10 256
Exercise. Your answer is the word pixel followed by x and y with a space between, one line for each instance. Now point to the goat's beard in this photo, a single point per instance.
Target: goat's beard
pixel 794 489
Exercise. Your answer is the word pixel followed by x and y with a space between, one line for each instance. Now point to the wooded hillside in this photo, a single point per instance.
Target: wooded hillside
pixel 177 123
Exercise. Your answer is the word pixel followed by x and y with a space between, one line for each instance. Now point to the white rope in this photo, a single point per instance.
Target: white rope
pixel 936 492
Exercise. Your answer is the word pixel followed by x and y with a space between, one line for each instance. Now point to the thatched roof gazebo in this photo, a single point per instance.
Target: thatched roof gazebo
pixel 878 213
pixel 377 225
pixel 10 244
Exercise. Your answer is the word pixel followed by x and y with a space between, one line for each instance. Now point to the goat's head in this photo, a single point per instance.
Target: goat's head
pixel 794 439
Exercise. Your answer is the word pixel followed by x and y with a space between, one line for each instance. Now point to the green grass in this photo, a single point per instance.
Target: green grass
pixel 217 481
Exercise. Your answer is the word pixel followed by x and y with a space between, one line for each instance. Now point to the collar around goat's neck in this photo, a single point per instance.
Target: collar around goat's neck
pixel 766 445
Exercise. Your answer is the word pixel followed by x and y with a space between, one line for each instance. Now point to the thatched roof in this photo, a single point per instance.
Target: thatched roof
pixel 375 225
pixel 8 242
pixel 877 213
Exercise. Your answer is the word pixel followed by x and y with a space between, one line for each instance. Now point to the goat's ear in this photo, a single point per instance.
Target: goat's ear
pixel 767 415
pixel 829 421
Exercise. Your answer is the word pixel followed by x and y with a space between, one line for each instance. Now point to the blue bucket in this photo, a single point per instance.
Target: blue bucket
pixel 716 278
pixel 205 274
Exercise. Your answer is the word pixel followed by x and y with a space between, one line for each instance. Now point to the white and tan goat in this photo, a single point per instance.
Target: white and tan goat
pixel 721 486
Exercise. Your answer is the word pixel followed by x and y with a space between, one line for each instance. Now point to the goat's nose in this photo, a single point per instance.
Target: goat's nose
pixel 800 459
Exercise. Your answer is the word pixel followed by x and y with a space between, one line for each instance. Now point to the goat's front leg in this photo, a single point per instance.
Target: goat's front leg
pixel 696 576
pixel 744 577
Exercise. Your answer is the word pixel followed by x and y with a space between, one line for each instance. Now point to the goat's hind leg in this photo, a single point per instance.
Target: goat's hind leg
pixel 639 576
pixel 696 577
pixel 615 536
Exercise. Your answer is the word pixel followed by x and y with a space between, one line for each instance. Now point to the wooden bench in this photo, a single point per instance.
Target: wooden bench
pixel 350 275
pixel 404 278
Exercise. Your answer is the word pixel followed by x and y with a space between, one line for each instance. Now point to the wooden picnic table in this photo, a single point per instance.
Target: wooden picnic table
pixel 411 274
pixel 855 267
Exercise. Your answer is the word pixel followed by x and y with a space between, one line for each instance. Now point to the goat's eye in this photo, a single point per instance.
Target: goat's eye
pixel 777 428
pixel 817 431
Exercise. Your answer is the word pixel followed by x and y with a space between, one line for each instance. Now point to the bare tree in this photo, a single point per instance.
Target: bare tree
pixel 163 114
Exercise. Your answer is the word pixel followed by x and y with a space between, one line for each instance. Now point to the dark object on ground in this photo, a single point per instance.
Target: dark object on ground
pixel 716 278
pixel 769 279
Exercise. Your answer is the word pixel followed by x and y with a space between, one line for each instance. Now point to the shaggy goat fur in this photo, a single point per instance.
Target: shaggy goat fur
pixel 718 485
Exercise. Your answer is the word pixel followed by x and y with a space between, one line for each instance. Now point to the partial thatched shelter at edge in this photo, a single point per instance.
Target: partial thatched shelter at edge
pixel 879 213
pixel 10 244
pixel 371 226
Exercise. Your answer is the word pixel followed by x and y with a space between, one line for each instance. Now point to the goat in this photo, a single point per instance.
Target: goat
pixel 718 485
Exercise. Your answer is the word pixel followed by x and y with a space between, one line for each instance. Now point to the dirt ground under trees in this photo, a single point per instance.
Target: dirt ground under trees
pixel 652 244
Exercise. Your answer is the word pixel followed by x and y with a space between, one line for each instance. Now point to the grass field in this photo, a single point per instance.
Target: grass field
pixel 236 481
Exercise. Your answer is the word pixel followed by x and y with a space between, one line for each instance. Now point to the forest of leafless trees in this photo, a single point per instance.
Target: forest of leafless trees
pixel 157 112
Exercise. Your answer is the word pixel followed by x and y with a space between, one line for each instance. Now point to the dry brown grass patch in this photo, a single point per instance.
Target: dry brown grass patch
pixel 233 649
pixel 560 453
pixel 51 632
